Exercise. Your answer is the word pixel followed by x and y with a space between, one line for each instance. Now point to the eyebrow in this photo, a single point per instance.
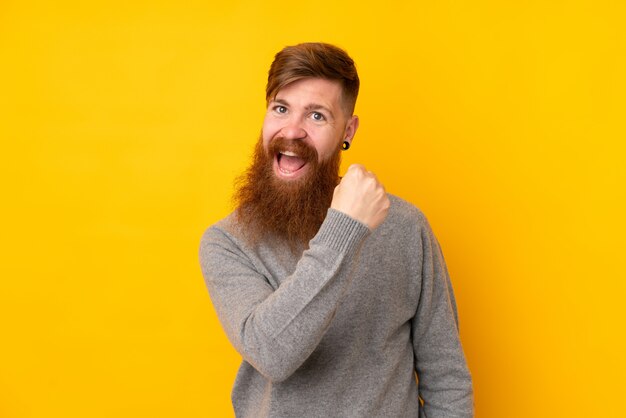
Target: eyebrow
pixel 309 107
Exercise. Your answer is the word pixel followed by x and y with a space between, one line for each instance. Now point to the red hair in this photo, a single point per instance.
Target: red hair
pixel 315 60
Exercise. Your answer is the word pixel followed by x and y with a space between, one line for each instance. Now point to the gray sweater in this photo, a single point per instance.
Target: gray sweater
pixel 342 329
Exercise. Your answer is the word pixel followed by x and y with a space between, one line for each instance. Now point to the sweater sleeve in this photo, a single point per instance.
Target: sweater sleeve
pixel 276 330
pixel 445 383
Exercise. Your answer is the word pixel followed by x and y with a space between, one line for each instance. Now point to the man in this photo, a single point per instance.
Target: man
pixel 335 293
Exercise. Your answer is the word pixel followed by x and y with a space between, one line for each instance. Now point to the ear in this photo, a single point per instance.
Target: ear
pixel 351 127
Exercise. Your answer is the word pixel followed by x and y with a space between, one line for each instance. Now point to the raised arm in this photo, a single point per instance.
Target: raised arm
pixel 276 331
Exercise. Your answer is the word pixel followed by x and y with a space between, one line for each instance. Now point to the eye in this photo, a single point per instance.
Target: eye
pixel 280 109
pixel 318 116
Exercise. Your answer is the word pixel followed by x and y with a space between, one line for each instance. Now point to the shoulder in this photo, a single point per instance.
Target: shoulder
pixel 223 234
pixel 220 229
pixel 404 213
pixel 405 222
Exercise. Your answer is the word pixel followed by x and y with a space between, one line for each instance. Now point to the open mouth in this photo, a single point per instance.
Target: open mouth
pixel 289 163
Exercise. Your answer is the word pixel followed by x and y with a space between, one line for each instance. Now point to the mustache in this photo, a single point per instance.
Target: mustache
pixel 299 147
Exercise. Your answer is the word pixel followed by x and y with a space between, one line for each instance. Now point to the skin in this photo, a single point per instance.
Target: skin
pixel 311 110
pixel 361 196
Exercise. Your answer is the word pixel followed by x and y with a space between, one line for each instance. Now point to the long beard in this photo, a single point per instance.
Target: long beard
pixel 291 210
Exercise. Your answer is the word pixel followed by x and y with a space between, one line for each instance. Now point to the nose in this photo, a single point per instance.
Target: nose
pixel 293 129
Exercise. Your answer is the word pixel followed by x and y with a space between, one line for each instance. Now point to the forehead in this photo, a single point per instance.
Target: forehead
pixel 312 90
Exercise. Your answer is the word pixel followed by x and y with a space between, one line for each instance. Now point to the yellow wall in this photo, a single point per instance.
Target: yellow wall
pixel 123 124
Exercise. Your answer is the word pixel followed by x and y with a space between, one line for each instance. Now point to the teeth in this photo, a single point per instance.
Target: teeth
pixel 289 153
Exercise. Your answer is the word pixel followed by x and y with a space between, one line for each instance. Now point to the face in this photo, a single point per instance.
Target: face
pixel 307 111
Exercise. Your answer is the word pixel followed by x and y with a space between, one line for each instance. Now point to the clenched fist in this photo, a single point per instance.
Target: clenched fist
pixel 361 196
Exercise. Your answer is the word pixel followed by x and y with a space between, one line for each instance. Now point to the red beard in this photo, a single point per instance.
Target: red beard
pixel 291 210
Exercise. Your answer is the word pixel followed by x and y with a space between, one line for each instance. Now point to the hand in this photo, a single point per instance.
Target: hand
pixel 361 196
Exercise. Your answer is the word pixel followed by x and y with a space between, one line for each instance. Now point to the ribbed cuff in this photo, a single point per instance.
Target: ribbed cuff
pixel 341 232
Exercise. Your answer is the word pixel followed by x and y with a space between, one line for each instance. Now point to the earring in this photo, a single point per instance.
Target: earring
pixel 345 145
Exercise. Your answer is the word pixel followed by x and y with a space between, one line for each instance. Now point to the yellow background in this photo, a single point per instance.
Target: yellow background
pixel 124 123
